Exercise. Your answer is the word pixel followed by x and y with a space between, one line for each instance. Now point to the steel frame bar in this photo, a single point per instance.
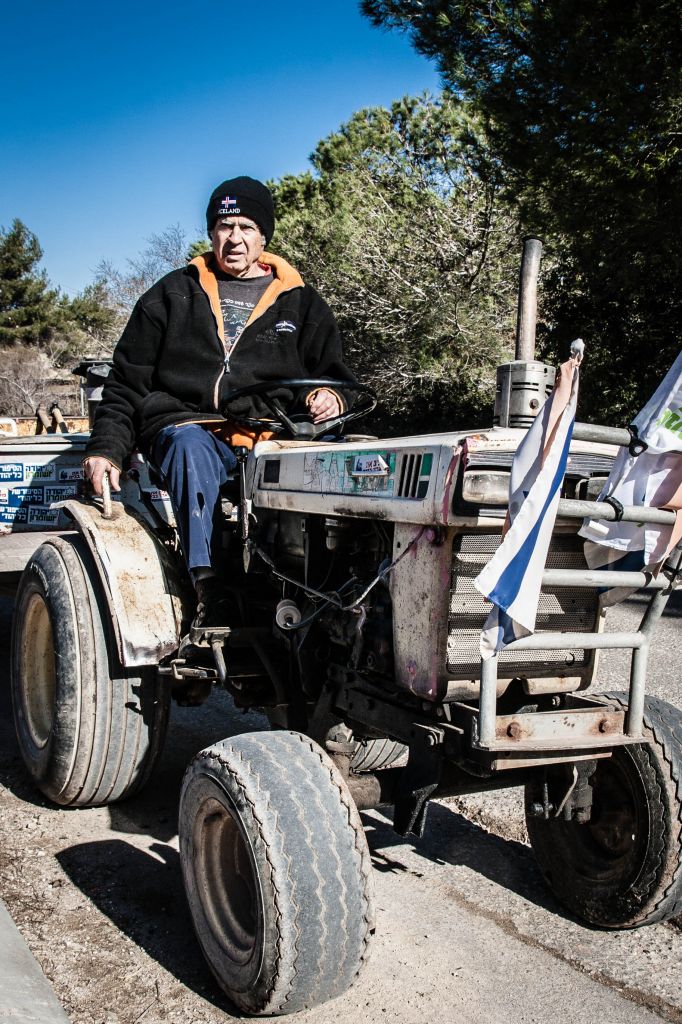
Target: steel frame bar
pixel 602 435
pixel 572 508
pixel 639 642
pixel 588 579
pixel 587 641
pixel 660 586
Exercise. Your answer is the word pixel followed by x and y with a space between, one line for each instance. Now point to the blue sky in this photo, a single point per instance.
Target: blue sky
pixel 118 119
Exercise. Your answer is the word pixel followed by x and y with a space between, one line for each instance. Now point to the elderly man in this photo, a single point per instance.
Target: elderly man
pixel 234 317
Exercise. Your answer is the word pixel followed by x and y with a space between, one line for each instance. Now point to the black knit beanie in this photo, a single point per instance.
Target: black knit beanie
pixel 242 197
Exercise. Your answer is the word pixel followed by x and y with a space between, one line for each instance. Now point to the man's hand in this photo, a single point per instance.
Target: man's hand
pixel 95 467
pixel 323 405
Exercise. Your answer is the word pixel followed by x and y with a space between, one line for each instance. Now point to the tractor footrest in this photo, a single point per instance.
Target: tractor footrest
pixel 201 637
pixel 179 669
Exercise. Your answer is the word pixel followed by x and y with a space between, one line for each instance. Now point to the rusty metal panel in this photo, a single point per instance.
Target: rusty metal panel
pixel 142 593
pixel 420 586
pixel 528 759
pixel 579 728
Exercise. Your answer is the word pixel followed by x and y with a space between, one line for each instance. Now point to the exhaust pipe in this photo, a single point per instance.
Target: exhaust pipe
pixel 523 385
pixel 527 316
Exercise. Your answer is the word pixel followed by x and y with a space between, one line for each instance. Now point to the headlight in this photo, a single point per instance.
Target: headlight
pixel 485 487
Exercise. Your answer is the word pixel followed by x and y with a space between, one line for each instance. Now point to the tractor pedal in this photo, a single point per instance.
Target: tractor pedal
pixel 204 636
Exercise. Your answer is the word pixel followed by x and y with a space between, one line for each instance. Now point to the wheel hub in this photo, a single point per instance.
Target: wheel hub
pixel 226 881
pixel 37 653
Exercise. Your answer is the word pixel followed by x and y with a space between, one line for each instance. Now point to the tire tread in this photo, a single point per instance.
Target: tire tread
pixel 665 723
pixel 372 755
pixel 649 890
pixel 314 812
pixel 118 735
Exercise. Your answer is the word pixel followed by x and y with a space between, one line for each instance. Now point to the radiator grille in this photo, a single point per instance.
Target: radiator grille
pixel 580 464
pixel 410 470
pixel 560 608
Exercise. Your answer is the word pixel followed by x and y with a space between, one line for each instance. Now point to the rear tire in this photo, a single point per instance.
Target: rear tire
pixel 623 868
pixel 374 754
pixel 277 871
pixel 89 731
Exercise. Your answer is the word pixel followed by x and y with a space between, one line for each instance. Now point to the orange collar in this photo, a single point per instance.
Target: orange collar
pixel 284 279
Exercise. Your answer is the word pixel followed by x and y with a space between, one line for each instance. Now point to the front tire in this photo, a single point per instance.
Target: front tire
pixel 623 868
pixel 89 731
pixel 277 871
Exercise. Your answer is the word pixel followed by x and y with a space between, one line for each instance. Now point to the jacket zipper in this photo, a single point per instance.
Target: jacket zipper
pixel 226 360
pixel 227 355
pixel 225 368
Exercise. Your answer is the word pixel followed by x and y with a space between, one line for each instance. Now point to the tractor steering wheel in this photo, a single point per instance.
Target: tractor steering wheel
pixel 299 426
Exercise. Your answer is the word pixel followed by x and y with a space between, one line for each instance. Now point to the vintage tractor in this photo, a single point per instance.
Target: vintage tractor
pixel 352 564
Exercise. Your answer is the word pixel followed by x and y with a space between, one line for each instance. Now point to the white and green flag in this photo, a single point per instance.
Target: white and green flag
pixel 653 478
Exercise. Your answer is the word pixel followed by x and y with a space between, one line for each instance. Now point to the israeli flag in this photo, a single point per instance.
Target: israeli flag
pixel 513 577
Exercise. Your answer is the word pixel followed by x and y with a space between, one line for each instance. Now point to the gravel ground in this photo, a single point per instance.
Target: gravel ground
pixel 467 930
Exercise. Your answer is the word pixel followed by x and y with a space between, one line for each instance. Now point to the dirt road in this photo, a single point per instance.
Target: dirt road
pixel 466 929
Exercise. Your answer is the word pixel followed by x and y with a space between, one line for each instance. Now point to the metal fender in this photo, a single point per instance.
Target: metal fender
pixel 139 582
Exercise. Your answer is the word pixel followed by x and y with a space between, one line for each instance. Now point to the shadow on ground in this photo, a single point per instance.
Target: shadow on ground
pixel 141 893
pixel 452 840
pixel 140 890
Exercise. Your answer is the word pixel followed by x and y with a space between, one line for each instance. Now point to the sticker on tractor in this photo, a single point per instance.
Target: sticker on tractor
pixel 43 516
pixel 357 473
pixel 26 496
pixel 11 471
pixel 70 473
pixel 14 515
pixel 369 465
pixel 39 471
pixel 59 494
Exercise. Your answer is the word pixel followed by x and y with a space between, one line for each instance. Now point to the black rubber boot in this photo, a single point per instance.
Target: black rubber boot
pixel 216 608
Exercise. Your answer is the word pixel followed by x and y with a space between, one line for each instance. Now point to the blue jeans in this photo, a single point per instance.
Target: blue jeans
pixel 194 464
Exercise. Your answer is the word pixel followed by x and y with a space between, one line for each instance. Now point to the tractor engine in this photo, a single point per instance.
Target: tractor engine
pixel 334 600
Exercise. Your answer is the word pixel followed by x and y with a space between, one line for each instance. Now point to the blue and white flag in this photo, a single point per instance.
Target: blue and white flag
pixel 513 577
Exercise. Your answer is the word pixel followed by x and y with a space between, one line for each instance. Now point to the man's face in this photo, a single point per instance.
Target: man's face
pixel 237 245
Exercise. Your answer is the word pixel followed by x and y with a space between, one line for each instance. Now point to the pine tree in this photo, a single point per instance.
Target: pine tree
pixel 582 101
pixel 402 229
pixel 28 307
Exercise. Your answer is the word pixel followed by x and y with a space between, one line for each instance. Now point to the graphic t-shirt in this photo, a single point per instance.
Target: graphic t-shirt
pixel 238 297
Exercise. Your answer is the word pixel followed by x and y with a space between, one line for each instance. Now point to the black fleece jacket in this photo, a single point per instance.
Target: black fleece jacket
pixel 170 365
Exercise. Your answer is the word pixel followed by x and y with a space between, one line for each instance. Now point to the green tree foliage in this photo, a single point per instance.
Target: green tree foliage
pixel 90 310
pixel 88 325
pixel 41 331
pixel 28 307
pixel 582 103
pixel 403 230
